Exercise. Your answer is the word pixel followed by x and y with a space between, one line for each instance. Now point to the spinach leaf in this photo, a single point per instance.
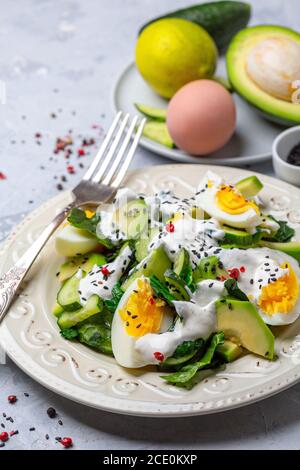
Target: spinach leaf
pixel 69 333
pixel 117 294
pixel 284 233
pixel 79 219
pixel 199 377
pixel 188 372
pixel 188 347
pixel 234 290
pixel 161 290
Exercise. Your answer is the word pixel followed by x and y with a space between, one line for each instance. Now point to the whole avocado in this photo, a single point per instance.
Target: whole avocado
pixel 222 20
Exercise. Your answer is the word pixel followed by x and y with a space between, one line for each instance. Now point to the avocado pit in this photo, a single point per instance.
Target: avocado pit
pixel 274 64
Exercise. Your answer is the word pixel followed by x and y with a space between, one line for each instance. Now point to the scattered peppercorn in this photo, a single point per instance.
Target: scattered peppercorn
pixel 12 399
pixel 66 442
pixel 51 412
pixel 4 436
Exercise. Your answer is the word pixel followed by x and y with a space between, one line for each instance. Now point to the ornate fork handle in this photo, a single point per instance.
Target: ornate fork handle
pixel 11 280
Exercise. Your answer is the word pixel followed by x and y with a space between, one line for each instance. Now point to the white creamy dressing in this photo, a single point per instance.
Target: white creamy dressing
pixel 199 237
pixel 95 282
pixel 262 266
pixel 106 227
pixel 197 320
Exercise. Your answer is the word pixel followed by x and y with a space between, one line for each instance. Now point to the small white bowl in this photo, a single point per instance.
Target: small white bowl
pixel 282 146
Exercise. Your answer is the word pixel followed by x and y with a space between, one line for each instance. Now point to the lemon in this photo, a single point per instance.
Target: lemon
pixel 172 52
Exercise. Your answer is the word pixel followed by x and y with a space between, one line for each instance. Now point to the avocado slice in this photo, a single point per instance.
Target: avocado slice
pixel 241 321
pixel 158 132
pixel 276 109
pixel 250 186
pixel 156 114
pixel 290 248
pixel 229 351
pixel 155 265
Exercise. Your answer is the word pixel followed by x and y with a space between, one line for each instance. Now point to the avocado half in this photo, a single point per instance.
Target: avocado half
pixel 273 108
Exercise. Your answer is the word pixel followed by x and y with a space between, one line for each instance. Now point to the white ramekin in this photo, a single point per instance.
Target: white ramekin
pixel 282 145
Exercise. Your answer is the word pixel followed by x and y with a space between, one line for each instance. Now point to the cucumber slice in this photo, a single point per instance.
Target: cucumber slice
pixel 158 132
pixel 154 265
pixel 182 266
pixel 176 286
pixel 141 246
pixel 240 238
pixel 132 218
pixel 86 263
pixel 156 114
pixel 57 310
pixel 68 297
pixel 68 319
pixel 209 268
pixel 249 187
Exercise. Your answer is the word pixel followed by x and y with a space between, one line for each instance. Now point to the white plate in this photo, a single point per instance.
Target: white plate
pixel 251 143
pixel 31 338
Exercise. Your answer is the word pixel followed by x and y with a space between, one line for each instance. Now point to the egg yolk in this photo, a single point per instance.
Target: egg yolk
pixel 142 313
pixel 281 295
pixel 232 202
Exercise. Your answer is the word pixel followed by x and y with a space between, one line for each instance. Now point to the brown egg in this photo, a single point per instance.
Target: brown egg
pixel 201 117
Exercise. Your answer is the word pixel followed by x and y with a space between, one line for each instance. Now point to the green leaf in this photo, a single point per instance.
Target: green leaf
pixel 161 290
pixel 284 233
pixel 95 332
pixel 189 371
pixel 69 333
pixel 199 377
pixel 78 219
pixel 117 294
pixel 234 290
pixel 188 347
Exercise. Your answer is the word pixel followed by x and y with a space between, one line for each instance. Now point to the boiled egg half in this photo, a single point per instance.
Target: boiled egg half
pixel 139 313
pixel 226 204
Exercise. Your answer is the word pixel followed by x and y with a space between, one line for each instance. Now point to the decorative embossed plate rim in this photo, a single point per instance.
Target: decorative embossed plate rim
pixel 31 339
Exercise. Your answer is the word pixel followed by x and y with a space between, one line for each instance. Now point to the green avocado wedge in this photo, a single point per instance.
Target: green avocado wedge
pixel 240 320
pixel 275 109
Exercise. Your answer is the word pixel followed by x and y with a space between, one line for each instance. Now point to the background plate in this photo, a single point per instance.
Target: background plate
pixel 251 142
pixel 31 338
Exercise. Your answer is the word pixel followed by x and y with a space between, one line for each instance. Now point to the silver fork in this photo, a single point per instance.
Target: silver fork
pixel 99 184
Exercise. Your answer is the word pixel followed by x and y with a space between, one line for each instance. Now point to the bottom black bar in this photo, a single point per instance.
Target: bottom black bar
pixel 137 459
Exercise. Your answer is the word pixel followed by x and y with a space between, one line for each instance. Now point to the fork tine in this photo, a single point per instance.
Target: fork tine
pixel 89 173
pixel 126 162
pixel 121 152
pixel 111 151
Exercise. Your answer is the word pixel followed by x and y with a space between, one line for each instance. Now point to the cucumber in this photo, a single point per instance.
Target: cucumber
pixel 68 296
pixel 176 286
pixel 132 218
pixel 57 310
pixel 86 263
pixel 158 132
pixel 249 187
pixel 68 319
pixel 154 265
pixel 229 351
pixel 240 238
pixel 155 114
pixel 182 266
pixel 222 20
pixel 141 246
pixel 209 268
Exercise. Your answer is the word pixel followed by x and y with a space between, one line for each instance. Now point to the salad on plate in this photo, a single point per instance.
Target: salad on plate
pixel 183 284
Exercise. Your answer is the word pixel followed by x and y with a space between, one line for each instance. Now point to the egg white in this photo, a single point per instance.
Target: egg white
pixel 123 345
pixel 206 199
pixel 254 261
